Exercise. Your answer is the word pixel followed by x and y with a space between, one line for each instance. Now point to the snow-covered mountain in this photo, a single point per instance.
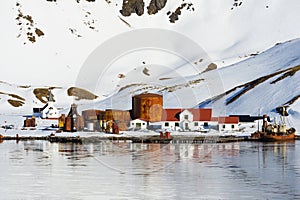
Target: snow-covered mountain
pixel 253 86
pixel 253 44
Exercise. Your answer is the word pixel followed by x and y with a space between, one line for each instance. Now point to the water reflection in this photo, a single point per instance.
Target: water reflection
pixel 276 151
pixel 246 170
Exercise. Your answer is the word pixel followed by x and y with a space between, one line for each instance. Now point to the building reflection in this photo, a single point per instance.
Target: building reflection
pixel 276 151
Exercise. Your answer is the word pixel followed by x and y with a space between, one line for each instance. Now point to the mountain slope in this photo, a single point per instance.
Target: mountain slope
pixel 256 85
pixel 73 29
pixel 46 43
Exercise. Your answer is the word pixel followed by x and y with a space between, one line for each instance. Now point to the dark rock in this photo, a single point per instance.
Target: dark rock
pixel 173 17
pixel 132 6
pixel 155 6
pixel 39 32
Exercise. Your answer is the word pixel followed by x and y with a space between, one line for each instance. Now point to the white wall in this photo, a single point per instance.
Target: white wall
pixel 186 116
pixel 137 123
pixel 170 125
pixel 50 111
pixel 228 127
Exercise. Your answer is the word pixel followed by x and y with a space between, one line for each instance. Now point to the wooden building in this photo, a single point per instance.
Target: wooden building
pixel 61 121
pixel 29 122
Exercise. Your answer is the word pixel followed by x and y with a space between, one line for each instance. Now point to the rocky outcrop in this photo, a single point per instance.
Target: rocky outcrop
pixel 132 6
pixel 155 6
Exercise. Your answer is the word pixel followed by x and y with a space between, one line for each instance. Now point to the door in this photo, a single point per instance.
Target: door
pixel 138 125
pixel 186 126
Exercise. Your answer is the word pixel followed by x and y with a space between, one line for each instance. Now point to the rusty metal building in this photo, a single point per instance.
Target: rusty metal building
pixel 73 122
pixel 120 118
pixel 29 122
pixel 148 107
pixel 91 121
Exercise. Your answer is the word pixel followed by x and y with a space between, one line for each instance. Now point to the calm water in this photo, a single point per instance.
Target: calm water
pixel 106 170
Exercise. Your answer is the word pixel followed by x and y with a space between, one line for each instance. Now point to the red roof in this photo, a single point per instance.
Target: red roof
pixel 215 119
pixel 228 120
pixel 171 114
pixel 201 114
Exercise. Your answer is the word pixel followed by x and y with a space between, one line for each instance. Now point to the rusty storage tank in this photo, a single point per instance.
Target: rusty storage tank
pixel 89 115
pixel 117 115
pixel 120 117
pixel 147 107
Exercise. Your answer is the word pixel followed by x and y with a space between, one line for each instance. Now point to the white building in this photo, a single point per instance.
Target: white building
pixel 49 111
pixel 228 123
pixel 198 119
pixel 187 119
pixel 171 119
pixel 138 124
pixel 195 119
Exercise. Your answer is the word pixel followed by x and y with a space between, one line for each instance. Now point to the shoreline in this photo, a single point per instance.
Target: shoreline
pixel 142 139
pixel 128 136
pixel 133 139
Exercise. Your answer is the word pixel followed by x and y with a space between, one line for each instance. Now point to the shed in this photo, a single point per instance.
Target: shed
pixel 138 124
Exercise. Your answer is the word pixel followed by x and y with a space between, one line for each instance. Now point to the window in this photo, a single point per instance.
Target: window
pixel 132 124
pixel 232 126
pixel 143 123
pixel 138 125
pixel 176 124
pixel 224 126
pixel 186 117
pixel 196 124
pixel 205 124
pixel 166 123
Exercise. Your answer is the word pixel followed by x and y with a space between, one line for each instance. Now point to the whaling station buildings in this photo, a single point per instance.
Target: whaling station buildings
pixel 147 113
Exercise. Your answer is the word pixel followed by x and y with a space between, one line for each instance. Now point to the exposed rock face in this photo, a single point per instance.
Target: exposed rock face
pixel 79 94
pixel 132 6
pixel 174 16
pixel 155 6
pixel 15 103
pixel 41 94
pixel 210 67
pixel 27 26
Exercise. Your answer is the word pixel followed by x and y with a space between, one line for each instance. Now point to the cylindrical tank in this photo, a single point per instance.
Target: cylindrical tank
pixel 147 107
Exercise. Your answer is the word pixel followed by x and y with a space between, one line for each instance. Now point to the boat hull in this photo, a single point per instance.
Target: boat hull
pixel 262 136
